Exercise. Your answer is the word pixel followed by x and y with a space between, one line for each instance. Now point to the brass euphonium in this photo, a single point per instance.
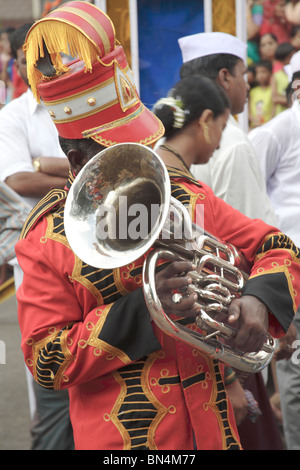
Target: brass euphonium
pixel 120 206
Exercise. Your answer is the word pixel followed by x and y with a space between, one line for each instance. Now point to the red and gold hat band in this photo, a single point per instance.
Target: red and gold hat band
pixel 117 89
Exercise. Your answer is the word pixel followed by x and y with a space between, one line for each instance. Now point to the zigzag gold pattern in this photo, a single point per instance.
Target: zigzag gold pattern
pixel 107 143
pixel 224 16
pixel 118 12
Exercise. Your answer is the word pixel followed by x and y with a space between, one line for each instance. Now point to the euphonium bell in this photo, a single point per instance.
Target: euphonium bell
pixel 101 213
pixel 119 207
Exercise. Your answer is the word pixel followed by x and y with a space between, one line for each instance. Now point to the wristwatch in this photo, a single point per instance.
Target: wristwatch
pixel 36 164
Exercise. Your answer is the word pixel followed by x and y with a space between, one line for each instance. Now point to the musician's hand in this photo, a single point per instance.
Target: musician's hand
pixel 175 277
pixel 250 317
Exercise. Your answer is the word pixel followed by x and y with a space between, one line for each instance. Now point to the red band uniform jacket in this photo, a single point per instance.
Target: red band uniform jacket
pixel 89 330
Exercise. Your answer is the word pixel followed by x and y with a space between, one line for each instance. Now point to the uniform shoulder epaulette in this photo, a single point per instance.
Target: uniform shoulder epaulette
pixel 46 204
pixel 52 199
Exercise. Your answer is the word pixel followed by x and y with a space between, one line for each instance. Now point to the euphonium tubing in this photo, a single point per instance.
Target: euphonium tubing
pixel 209 344
pixel 136 172
pixel 217 281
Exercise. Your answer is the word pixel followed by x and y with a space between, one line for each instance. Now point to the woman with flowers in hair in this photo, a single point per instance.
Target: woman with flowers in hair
pixel 194 116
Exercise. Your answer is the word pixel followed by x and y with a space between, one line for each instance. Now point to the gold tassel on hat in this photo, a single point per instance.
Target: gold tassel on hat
pixel 64 38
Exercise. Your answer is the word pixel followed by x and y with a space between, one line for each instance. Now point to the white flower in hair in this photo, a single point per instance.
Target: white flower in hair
pixel 176 106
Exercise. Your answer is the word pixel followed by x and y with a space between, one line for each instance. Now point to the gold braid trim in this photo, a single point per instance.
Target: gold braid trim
pixel 279 241
pixel 50 200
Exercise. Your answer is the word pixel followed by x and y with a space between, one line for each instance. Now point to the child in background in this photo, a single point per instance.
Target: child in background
pixel 280 79
pixel 267 48
pixel 261 107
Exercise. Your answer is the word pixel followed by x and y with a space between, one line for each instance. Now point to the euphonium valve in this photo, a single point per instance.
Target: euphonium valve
pixel 99 215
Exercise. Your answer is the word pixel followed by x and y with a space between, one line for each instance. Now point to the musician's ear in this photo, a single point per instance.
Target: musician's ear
pixel 224 78
pixel 206 117
pixel 77 159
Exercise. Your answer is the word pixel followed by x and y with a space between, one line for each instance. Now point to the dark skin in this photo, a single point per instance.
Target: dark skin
pixel 247 314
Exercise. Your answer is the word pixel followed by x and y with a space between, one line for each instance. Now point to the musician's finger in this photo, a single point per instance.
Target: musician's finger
pixel 177 303
pixel 234 311
pixel 186 307
pixel 177 283
pixel 177 267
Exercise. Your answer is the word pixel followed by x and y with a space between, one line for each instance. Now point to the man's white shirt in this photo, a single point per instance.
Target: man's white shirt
pixel 26 132
pixel 277 144
pixel 234 174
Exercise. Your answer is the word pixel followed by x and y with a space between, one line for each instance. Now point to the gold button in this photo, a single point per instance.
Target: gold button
pixel 68 110
pixel 91 101
pixel 52 114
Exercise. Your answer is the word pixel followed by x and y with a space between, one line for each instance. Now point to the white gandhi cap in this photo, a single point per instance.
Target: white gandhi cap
pixel 204 44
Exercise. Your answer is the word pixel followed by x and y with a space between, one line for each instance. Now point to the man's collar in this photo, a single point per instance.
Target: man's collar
pixel 32 103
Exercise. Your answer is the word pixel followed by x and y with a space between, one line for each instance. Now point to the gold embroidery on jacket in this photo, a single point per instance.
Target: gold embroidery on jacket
pixel 219 405
pixel 162 411
pixel 280 241
pixel 95 342
pixel 51 358
pixel 137 412
pixel 187 197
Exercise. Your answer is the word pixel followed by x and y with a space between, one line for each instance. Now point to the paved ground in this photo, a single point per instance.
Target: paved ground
pixel 14 405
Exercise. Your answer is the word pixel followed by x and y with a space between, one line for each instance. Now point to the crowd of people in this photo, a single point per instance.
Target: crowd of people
pixel 101 372
pixel 273 37
pixel 12 84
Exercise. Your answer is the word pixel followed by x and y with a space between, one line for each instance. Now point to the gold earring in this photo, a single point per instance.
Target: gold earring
pixel 206 133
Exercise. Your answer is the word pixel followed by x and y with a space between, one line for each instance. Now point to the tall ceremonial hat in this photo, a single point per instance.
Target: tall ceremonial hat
pixel 94 95
pixel 205 44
